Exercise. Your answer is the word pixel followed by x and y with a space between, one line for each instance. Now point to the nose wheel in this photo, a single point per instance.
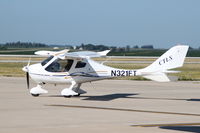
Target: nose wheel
pixel 35 95
pixel 36 91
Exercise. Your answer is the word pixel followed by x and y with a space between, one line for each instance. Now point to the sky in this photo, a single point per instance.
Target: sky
pixel 162 23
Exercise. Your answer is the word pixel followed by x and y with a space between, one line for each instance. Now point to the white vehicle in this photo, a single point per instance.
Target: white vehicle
pixel 76 68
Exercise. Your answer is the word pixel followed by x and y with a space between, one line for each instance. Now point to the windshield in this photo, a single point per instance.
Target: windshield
pixel 46 60
pixel 60 65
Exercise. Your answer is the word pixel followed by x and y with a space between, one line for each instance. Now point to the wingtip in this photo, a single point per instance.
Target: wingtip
pixel 104 53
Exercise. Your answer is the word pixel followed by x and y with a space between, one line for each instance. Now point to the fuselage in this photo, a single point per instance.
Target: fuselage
pixel 58 71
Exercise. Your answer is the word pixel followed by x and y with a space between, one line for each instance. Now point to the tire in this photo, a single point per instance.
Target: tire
pixel 35 95
pixel 67 96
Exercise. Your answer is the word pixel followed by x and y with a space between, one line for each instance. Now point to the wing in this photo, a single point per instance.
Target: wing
pixel 85 54
pixel 81 54
pixel 49 53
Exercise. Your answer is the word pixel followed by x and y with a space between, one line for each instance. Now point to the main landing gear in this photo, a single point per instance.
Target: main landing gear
pixel 73 90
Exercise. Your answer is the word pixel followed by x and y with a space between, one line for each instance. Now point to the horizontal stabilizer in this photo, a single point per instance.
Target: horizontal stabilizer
pixel 159 77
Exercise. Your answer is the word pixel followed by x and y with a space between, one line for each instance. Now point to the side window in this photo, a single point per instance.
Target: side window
pixel 68 65
pixel 60 66
pixel 80 64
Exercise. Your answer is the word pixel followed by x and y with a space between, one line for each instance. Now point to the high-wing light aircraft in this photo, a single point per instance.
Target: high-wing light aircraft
pixel 76 68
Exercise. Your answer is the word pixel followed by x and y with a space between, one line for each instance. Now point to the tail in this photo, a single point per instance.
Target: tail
pixel 171 59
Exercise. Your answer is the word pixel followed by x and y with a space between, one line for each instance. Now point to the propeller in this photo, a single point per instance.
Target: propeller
pixel 26 69
pixel 27 80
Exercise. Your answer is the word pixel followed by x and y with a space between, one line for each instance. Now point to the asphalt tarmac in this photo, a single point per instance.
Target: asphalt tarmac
pixel 112 106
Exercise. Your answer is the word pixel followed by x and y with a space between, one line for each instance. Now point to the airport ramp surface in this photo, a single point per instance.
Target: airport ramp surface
pixel 113 106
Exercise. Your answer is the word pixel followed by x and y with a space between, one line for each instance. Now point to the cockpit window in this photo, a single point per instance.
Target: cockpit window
pixel 46 60
pixel 60 65
pixel 80 64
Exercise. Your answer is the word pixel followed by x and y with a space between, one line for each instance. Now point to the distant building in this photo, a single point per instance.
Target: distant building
pixel 74 47
pixel 147 46
pixel 55 48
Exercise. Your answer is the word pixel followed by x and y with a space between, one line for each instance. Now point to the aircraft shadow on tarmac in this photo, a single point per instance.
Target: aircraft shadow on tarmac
pixel 192 129
pixel 193 100
pixel 152 98
pixel 128 96
pixel 110 97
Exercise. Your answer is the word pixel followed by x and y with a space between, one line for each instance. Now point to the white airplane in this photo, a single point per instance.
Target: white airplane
pixel 76 68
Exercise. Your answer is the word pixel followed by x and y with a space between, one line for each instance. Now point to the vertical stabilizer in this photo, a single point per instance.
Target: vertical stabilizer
pixel 171 59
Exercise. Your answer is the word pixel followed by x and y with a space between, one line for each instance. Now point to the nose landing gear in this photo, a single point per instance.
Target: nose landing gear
pixel 36 91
